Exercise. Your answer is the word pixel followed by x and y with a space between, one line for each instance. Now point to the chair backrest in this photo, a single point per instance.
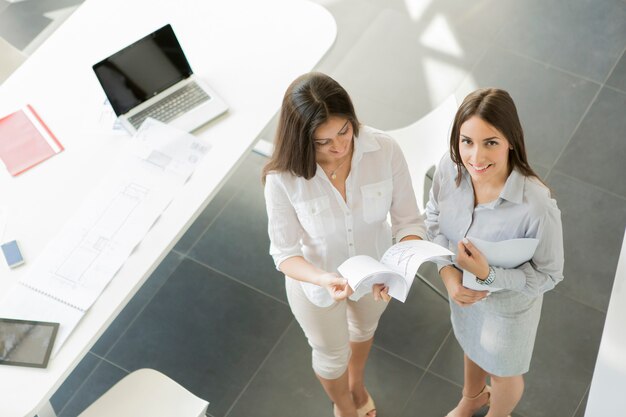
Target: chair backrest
pixel 424 143
pixel 10 59
pixel 147 392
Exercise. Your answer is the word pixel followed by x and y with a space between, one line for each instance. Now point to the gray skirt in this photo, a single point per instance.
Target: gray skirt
pixel 498 333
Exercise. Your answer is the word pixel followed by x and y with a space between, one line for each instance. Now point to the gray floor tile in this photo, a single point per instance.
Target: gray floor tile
pixel 541 170
pixel 15 29
pixel 544 31
pixel 596 152
pixel 137 303
pixel 237 243
pixel 285 382
pixel 103 378
pixel 582 407
pixel 449 361
pixel 390 381
pixel 350 27
pixel 381 116
pixel 434 397
pixel 74 381
pixel 617 79
pixel 593 229
pixel 481 19
pixel 21 22
pixel 565 351
pixel 414 330
pixel 429 272
pixel 246 173
pixel 205 331
pixel 550 103
pixel 393 66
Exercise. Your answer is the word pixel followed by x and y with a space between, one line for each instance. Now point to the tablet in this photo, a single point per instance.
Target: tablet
pixel 26 342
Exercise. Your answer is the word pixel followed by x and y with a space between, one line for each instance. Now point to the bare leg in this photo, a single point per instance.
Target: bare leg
pixel 339 393
pixel 475 396
pixel 505 394
pixel 356 371
pixel 475 378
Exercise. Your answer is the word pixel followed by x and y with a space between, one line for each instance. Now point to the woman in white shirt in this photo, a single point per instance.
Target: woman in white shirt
pixel 486 189
pixel 329 187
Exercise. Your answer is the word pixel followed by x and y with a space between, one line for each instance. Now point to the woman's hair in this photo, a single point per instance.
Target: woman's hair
pixel 497 108
pixel 308 103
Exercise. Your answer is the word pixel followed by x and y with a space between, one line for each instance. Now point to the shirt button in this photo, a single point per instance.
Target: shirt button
pixel 351 244
pixel 379 193
pixel 350 230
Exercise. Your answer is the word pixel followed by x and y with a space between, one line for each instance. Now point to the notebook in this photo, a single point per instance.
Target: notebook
pixel 152 78
pixel 25 140
pixel 504 254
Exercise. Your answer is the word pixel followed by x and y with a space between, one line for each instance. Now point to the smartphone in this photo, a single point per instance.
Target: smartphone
pixel 12 254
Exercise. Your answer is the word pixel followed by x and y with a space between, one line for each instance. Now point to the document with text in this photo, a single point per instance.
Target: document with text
pixel 396 269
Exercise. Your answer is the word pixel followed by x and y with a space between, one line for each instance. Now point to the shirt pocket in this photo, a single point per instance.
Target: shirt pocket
pixel 376 201
pixel 316 217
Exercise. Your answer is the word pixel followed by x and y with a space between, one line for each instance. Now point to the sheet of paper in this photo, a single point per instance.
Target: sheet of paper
pixel 94 244
pixel 401 260
pixel 406 258
pixel 504 254
pixel 358 269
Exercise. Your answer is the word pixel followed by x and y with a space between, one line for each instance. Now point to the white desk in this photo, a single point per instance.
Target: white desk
pixel 247 50
pixel 606 396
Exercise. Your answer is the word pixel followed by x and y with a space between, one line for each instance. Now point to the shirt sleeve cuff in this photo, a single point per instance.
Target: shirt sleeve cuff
pixel 282 258
pixel 414 230
pixel 509 279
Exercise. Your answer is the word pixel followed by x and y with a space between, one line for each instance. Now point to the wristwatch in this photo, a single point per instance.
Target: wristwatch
pixel 490 278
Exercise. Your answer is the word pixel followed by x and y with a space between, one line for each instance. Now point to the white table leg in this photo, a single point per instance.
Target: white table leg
pixel 47 411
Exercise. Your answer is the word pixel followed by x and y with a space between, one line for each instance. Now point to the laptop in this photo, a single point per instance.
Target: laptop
pixel 152 78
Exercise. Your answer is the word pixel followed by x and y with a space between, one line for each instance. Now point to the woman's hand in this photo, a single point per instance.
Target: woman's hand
pixel 452 279
pixel 381 292
pixel 336 286
pixel 471 259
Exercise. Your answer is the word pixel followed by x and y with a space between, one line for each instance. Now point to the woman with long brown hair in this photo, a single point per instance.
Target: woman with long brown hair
pixel 329 186
pixel 485 189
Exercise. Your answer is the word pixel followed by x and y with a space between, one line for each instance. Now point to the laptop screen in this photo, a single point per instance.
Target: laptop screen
pixel 142 70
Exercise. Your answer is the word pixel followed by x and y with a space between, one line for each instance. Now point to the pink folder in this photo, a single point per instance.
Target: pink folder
pixel 25 141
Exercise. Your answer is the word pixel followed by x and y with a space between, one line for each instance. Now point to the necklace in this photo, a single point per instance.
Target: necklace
pixel 333 173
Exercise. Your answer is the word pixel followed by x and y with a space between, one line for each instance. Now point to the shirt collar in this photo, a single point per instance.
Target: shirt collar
pixel 513 190
pixel 365 142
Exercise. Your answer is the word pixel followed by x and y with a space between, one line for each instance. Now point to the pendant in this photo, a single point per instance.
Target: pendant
pixel 333 176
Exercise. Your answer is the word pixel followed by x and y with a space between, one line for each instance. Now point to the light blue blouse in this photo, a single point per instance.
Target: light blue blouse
pixel 524 209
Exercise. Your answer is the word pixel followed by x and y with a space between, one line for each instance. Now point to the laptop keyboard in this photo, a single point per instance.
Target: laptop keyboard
pixel 172 106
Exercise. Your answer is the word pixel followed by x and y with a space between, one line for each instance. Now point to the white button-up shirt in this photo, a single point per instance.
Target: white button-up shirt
pixel 310 218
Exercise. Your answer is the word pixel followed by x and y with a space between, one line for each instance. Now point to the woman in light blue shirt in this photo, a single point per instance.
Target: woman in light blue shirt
pixel 485 188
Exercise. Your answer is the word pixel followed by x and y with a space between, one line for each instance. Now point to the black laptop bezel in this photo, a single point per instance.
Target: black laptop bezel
pixel 186 71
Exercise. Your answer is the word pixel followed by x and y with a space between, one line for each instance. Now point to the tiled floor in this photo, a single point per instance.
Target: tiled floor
pixel 214 315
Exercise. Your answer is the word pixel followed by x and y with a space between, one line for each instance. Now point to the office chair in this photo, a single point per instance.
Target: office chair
pixel 10 59
pixel 424 143
pixel 147 392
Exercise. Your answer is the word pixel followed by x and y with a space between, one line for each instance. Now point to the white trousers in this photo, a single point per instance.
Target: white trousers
pixel 330 330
